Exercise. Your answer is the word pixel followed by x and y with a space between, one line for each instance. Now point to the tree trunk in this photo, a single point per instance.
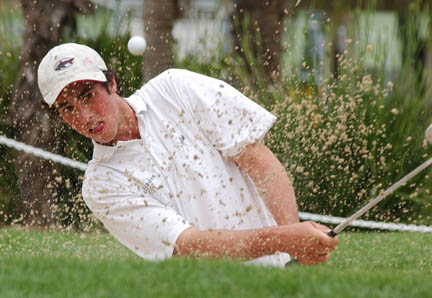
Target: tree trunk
pixel 257 33
pixel 159 17
pixel 29 120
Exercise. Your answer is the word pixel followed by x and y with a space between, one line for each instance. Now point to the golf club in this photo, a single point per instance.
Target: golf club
pixel 382 195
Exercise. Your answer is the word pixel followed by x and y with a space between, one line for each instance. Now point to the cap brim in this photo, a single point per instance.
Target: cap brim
pixel 52 96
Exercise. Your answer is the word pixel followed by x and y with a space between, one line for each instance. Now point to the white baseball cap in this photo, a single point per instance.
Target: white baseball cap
pixel 65 64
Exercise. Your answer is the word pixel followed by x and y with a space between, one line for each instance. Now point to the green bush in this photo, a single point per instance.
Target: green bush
pixel 340 142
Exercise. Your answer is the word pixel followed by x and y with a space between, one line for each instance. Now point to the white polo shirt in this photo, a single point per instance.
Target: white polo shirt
pixel 147 191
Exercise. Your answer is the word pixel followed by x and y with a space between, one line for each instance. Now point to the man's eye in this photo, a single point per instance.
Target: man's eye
pixel 66 109
pixel 88 95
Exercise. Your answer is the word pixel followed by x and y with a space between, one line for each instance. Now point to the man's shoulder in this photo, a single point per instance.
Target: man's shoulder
pixel 169 79
pixel 175 72
pixel 176 75
pixel 169 87
pixel 171 73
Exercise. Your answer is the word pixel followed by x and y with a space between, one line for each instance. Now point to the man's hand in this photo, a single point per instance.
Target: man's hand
pixel 307 242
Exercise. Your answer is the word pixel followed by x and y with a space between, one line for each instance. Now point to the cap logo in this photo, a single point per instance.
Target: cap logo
pixel 63 63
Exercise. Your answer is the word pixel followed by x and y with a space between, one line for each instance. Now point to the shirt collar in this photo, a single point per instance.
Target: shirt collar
pixel 102 152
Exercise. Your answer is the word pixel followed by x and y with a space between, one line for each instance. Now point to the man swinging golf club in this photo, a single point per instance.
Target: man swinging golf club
pixel 178 168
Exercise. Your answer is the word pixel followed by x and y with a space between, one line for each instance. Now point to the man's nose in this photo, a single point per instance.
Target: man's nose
pixel 83 113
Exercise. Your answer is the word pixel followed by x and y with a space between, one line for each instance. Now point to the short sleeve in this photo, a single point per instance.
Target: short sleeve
pixel 141 223
pixel 229 119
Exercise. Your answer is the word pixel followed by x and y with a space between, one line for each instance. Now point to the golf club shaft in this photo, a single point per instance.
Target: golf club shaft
pixel 379 198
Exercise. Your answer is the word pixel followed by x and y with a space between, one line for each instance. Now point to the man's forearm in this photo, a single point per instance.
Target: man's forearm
pixel 272 182
pixel 232 244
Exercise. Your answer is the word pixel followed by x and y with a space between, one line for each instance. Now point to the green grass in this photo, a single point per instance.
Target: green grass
pixel 66 264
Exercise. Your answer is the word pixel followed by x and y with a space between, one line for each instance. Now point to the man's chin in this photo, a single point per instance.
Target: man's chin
pixel 103 140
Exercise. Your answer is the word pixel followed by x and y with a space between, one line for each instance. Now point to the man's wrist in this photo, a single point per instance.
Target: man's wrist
pixel 269 240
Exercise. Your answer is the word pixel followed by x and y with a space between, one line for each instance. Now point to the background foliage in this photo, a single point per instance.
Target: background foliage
pixel 342 138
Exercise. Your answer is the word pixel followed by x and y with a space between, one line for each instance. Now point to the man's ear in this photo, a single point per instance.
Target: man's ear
pixel 59 117
pixel 54 112
pixel 62 120
pixel 112 85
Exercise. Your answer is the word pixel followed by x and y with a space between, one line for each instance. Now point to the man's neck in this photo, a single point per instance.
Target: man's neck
pixel 128 124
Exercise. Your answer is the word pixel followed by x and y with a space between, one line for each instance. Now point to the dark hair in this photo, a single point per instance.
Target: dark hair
pixel 110 73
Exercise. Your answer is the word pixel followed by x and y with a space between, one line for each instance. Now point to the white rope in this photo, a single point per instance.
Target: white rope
pixel 303 215
pixel 366 223
pixel 44 154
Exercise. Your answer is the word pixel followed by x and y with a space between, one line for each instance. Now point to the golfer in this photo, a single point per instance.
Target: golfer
pixel 178 168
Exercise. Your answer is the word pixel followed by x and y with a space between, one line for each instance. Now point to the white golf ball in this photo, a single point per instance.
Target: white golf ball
pixel 136 45
pixel 428 134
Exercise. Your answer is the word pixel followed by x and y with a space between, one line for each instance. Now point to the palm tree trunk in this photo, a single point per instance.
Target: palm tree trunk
pixel 159 17
pixel 28 119
pixel 258 28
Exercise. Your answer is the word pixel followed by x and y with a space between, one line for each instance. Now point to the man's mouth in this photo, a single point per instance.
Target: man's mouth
pixel 97 129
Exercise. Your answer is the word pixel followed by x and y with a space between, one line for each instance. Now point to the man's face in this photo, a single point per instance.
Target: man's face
pixel 90 110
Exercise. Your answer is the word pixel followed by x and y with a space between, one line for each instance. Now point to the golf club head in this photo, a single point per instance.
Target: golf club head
pixel 428 134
